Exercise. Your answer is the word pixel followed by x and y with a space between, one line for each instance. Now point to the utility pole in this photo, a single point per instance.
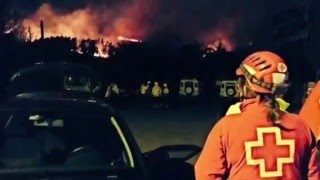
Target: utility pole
pixel 42 29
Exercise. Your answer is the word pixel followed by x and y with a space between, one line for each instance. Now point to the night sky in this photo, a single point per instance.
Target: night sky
pixel 243 20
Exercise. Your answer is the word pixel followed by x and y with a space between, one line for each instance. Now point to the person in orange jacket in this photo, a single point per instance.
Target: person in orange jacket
pixel 260 142
pixel 310 111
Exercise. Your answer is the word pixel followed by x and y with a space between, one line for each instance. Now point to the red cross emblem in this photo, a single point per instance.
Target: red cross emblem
pixel 270 152
pixel 282 67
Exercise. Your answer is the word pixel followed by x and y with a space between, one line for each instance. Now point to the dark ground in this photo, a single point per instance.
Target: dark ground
pixel 184 122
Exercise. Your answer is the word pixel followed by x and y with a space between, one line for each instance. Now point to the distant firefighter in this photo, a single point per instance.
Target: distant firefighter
pixel 143 89
pixel 166 92
pixel 112 89
pixel 165 89
pixel 156 90
pixel 156 94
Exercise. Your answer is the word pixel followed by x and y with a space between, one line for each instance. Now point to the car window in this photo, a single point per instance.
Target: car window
pixel 79 83
pixel 189 84
pixel 36 81
pixel 44 139
pixel 53 80
pixel 231 84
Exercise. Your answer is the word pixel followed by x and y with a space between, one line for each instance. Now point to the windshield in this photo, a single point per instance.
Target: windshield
pixel 64 140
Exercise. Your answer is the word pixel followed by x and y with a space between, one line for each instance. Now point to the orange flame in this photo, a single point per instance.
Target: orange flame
pixel 102 50
pixel 121 38
pixel 111 25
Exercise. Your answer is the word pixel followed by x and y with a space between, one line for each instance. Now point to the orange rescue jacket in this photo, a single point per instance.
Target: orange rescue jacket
pixel 310 111
pixel 247 146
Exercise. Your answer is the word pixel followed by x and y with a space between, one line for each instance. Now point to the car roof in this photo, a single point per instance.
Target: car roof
pixel 54 66
pixel 58 104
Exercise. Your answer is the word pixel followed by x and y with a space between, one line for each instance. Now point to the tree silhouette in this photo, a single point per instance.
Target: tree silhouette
pixel 88 46
pixel 83 46
pixel 220 48
pixel 92 48
pixel 111 49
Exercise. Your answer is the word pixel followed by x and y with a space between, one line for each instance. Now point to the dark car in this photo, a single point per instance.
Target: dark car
pixel 42 138
pixel 72 78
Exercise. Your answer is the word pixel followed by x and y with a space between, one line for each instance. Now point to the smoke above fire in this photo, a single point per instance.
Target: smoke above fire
pixel 222 33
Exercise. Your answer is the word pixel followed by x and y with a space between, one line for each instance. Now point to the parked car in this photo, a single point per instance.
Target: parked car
pixel 66 138
pixel 69 78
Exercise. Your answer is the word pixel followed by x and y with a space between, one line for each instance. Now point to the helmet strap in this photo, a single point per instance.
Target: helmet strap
pixel 256 81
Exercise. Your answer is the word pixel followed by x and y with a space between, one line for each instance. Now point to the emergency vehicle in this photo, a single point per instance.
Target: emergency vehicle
pixel 189 87
pixel 228 88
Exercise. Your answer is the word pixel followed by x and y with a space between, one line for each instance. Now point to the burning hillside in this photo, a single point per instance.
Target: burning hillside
pixel 87 23
pixel 128 21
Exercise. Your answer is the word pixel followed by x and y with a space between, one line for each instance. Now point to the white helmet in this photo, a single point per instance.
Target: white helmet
pixel 165 84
